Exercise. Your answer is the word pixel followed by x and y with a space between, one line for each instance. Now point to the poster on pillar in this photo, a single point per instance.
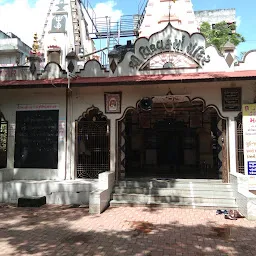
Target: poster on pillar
pixel 249 134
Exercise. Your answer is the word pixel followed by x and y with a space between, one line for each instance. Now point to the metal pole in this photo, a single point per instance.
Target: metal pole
pixel 107 33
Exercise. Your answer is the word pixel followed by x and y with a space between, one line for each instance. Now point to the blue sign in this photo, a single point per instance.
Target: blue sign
pixel 251 167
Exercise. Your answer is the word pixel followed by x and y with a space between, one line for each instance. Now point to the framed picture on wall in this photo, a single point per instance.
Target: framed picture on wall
pixel 113 101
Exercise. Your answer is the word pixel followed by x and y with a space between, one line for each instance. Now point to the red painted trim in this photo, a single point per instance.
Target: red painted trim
pixel 154 79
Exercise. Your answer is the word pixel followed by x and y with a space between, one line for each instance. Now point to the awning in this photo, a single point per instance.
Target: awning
pixel 134 80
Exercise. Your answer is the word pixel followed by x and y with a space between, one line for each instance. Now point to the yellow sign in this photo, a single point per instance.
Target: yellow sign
pixel 249 110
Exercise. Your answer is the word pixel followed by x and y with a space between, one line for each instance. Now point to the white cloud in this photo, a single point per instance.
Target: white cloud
pixel 238 21
pixel 103 10
pixel 22 19
pixel 107 9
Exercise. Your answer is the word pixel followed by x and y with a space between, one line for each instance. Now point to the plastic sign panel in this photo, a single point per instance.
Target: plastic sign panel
pixel 249 134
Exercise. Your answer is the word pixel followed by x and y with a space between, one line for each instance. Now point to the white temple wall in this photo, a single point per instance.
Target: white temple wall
pixel 85 97
pixel 248 62
pixel 157 16
pixel 10 99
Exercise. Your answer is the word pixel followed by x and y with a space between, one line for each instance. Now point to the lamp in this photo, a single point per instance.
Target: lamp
pixel 71 59
pixel 146 104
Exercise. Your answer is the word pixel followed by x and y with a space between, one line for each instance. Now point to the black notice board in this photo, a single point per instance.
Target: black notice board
pixel 231 99
pixel 36 139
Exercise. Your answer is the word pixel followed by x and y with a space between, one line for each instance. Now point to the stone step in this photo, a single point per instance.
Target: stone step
pixel 171 180
pixel 214 206
pixel 174 193
pixel 225 192
pixel 167 184
pixel 144 199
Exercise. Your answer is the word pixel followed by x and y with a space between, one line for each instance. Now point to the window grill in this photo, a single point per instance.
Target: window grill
pixel 240 147
pixel 93 148
pixel 3 142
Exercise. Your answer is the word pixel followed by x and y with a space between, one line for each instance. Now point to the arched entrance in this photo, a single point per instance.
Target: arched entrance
pixel 181 140
pixel 3 141
pixel 93 144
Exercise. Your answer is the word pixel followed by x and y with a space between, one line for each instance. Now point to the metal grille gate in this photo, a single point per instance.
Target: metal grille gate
pixel 240 147
pixel 93 147
pixel 3 142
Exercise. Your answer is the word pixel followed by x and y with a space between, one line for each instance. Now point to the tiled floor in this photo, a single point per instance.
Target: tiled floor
pixel 65 230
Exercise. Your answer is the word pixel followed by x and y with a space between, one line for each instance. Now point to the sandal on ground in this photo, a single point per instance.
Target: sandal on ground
pixel 237 214
pixel 229 217
pixel 221 212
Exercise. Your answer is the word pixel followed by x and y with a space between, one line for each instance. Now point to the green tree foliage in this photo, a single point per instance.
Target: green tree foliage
pixel 221 34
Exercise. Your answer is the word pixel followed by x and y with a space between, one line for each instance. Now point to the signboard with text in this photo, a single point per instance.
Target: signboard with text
pixel 35 107
pixel 171 40
pixel 231 99
pixel 249 134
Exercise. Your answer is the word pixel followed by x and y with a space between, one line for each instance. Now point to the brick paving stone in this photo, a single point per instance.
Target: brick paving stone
pixel 61 230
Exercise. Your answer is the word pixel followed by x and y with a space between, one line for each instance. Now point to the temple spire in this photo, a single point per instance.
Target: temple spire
pixel 159 13
pixel 170 9
pixel 65 28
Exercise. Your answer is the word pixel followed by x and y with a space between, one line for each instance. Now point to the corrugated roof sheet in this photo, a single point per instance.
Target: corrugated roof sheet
pixel 142 79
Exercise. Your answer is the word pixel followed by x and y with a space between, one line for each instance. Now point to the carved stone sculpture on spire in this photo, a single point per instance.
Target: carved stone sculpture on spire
pixel 35 46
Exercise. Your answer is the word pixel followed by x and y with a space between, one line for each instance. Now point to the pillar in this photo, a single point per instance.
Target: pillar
pixel 232 145
pixel 112 145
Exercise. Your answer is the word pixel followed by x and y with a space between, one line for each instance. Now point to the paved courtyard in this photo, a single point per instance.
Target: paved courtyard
pixel 67 230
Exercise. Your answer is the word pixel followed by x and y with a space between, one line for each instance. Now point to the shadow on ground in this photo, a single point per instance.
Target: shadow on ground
pixel 65 230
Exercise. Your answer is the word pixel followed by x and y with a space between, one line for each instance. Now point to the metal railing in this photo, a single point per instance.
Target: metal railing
pixel 90 12
pixel 105 28
pixel 125 27
pixel 141 12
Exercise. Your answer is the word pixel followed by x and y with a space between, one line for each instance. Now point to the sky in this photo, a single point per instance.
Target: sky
pixel 25 17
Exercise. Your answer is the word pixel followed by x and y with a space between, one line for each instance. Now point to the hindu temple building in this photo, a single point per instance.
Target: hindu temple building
pixel 133 123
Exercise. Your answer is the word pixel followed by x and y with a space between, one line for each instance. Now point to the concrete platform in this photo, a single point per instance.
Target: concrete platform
pixel 55 191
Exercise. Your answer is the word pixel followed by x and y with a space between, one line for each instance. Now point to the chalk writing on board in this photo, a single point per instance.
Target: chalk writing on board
pixel 36 139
